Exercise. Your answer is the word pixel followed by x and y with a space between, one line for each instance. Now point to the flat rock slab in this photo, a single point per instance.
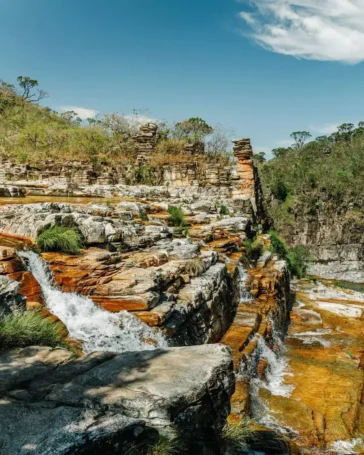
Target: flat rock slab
pixel 53 404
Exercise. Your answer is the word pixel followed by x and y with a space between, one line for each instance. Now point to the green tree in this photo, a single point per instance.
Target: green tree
pixel 345 132
pixel 195 129
pixel 71 117
pixel 259 157
pixel 281 151
pixel 300 138
pixel 27 85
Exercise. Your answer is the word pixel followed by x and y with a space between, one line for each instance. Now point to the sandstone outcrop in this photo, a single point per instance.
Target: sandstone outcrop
pixel 53 404
pixel 145 141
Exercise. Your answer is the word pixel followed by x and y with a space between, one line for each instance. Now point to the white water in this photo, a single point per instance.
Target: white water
pixel 347 447
pixel 97 329
pixel 245 295
pixel 274 380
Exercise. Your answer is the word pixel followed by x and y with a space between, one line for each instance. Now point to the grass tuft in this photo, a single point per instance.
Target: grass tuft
pixel 59 238
pixel 234 436
pixel 29 328
pixel 177 216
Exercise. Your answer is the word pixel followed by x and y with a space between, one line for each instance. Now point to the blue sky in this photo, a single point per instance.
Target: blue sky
pixel 261 67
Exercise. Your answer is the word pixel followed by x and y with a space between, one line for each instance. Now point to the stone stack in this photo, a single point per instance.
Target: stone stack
pixel 243 152
pixel 145 141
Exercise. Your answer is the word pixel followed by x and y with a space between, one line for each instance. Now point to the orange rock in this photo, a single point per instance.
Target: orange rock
pixel 33 305
pixel 117 304
pixel 29 286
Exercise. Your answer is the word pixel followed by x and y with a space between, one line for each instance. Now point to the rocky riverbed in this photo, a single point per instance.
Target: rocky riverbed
pixel 145 304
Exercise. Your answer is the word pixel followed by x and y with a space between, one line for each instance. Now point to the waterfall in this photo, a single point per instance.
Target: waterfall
pixel 245 295
pixel 97 329
pixel 274 380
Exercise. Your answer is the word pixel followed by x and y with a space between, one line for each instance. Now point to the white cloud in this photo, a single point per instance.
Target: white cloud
pixel 285 143
pixel 311 29
pixel 325 129
pixel 82 112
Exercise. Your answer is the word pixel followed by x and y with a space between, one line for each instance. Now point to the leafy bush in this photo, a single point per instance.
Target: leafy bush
pixel 29 328
pixel 177 216
pixel 253 249
pixel 59 238
pixel 298 258
pixel 278 245
pixel 195 267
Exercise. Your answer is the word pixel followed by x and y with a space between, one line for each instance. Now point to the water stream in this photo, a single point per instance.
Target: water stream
pixel 244 293
pixel 97 329
pixel 273 379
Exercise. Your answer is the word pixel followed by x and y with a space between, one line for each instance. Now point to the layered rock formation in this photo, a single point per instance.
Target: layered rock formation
pixel 145 141
pixel 335 237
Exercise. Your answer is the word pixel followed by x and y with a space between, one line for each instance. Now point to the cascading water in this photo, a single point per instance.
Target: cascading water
pixel 244 294
pixel 97 329
pixel 274 377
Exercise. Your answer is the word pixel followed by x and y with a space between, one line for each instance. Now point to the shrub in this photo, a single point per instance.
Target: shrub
pixel 278 245
pixel 177 215
pixel 29 328
pixel 195 267
pixel 298 258
pixel 253 249
pixel 59 238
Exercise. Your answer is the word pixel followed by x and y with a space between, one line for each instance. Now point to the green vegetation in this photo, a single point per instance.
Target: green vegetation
pixel 29 328
pixel 235 436
pixel 223 210
pixel 253 249
pixel 162 446
pixel 303 177
pixel 177 216
pixel 144 174
pixel 278 245
pixel 59 238
pixel 30 133
pixel 298 258
pixel 195 267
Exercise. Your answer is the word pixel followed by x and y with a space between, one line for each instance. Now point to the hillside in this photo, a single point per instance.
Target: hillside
pixel 30 133
pixel 315 195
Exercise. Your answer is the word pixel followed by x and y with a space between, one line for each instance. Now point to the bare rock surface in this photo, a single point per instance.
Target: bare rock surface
pixel 51 404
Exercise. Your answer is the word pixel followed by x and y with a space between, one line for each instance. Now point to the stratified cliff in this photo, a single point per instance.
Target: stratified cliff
pixel 315 196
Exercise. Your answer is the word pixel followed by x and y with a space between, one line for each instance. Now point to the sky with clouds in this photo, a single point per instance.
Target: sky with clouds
pixel 263 68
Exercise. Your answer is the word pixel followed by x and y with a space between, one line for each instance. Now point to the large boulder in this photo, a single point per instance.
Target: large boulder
pixel 54 405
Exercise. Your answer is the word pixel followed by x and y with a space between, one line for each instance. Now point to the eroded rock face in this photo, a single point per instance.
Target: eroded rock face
pixel 10 299
pixel 105 398
pixel 334 235
pixel 13 268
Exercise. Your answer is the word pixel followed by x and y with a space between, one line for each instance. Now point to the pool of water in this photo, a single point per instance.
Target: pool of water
pixel 358 287
pixel 70 200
